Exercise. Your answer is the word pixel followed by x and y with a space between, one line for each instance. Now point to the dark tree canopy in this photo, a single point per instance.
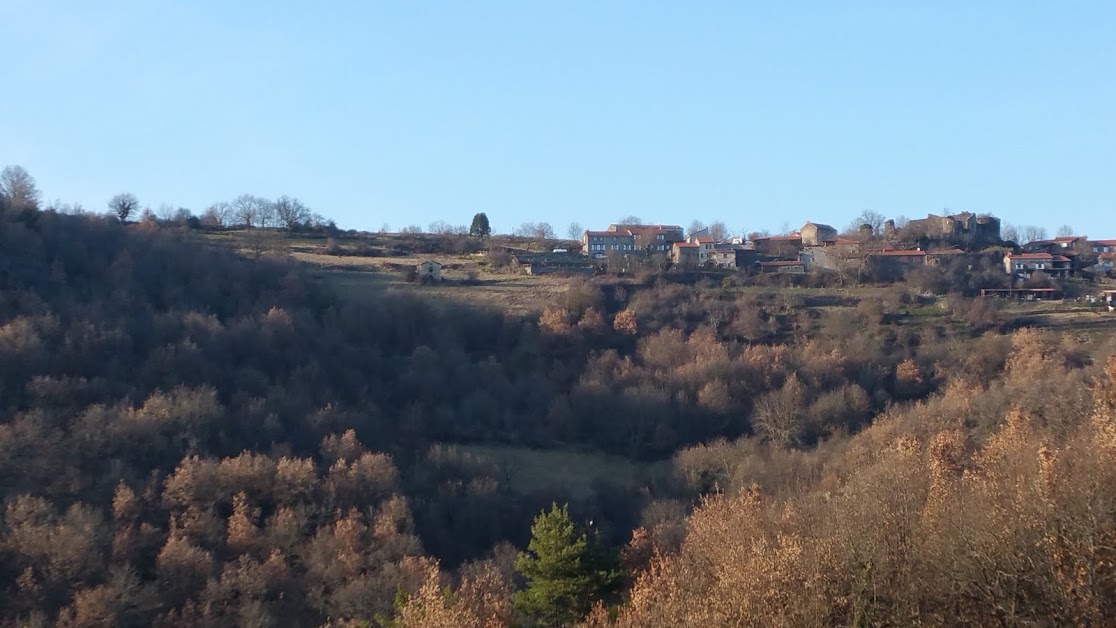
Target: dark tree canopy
pixel 480 228
pixel 564 576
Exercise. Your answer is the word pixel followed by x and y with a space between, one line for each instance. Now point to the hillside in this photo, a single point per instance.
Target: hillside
pixel 198 434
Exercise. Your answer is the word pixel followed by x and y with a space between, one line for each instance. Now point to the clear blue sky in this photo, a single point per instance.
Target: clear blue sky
pixel 761 114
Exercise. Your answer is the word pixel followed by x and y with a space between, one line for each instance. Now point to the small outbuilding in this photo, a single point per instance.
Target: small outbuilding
pixel 429 270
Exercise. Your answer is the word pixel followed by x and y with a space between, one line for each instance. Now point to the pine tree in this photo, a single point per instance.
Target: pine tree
pixel 565 574
pixel 480 227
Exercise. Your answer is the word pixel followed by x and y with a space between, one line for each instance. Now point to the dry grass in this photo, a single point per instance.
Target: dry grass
pixel 465 280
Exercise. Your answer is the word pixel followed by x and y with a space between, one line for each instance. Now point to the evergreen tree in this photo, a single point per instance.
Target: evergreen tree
pixel 565 574
pixel 480 227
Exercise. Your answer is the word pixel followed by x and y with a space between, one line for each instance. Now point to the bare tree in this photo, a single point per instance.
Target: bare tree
pixel 695 227
pixel 574 231
pixel 875 220
pixel 1009 233
pixel 17 189
pixel 629 220
pixel 718 231
pixel 182 216
pixel 219 214
pixel 441 227
pixel 60 207
pixel 1065 231
pixel 540 231
pixel 1031 233
pixel 291 212
pixel 123 205
pixel 543 232
pixel 778 414
pixel 165 212
pixel 268 216
pixel 248 211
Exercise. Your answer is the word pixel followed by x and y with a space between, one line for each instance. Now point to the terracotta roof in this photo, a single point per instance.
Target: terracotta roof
pixel 1061 258
pixel 946 252
pixel 1103 242
pixel 705 239
pixel 1042 256
pixel 1067 238
pixel 686 245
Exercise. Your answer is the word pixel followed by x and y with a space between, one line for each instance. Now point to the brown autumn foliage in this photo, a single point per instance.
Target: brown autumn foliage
pixel 931 527
pixel 190 438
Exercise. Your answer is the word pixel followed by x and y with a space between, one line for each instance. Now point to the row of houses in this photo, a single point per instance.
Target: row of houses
pixel 817 246
pixel 696 249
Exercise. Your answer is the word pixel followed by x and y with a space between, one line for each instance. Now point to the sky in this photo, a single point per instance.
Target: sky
pixel 759 114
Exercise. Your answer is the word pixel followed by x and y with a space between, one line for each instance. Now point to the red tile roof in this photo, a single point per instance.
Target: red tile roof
pixel 704 239
pixel 1061 258
pixel 1035 256
pixel 1103 242
pixel 686 245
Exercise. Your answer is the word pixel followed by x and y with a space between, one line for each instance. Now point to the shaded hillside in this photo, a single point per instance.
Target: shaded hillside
pixel 191 437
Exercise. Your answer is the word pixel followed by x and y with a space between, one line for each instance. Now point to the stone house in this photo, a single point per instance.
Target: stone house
pixel 603 243
pixel 814 234
pixel 783 267
pixel 429 270
pixel 686 254
pixel 652 239
pixel 1023 265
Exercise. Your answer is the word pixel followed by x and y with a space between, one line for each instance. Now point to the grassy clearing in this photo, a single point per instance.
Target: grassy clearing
pixel 364 277
pixel 566 472
pixel 466 280
pixel 926 311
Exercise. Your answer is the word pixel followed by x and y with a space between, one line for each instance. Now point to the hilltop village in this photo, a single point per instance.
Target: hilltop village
pixel 881 251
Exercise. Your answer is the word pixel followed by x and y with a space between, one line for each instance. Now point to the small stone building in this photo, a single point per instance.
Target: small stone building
pixel 430 270
pixel 814 234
